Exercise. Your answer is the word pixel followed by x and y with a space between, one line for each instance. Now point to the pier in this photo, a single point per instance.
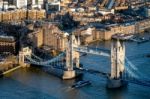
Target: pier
pixel 10 70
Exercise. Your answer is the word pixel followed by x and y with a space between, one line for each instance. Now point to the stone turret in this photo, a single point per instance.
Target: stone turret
pixel 24 52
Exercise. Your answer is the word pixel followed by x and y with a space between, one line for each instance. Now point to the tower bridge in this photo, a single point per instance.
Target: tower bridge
pixel 122 70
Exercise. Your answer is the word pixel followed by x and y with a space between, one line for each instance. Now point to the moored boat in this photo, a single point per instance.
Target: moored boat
pixel 81 84
pixel 121 36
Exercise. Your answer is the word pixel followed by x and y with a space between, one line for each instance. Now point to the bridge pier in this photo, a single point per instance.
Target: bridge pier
pixel 114 83
pixel 70 73
pixel 117 65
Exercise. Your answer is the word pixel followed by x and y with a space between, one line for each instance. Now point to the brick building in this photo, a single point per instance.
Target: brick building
pixel 54 38
pixel 49 36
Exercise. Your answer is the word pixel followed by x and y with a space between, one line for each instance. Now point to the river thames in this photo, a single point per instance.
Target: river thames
pixel 35 83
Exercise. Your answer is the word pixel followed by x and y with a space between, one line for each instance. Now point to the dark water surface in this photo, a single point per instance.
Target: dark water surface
pixel 34 83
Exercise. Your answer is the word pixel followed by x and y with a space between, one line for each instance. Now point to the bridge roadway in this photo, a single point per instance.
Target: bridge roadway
pixel 143 82
pixel 102 74
pixel 139 82
pixel 91 50
pixel 84 70
pixel 92 71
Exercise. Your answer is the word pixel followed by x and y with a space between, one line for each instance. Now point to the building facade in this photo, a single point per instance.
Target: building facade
pixel 7 44
pixel 142 25
pixel 20 3
pixel 21 14
pixel 125 29
pixel 37 37
pixel 54 38
pixel 48 36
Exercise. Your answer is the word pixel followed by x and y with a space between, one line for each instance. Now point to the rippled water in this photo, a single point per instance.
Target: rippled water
pixel 34 83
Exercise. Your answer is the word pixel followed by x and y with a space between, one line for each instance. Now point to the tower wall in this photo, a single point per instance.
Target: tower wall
pixel 24 52
pixel 117 59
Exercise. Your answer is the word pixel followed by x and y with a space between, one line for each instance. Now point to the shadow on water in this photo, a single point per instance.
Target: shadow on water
pixel 52 71
pixel 116 93
pixel 59 73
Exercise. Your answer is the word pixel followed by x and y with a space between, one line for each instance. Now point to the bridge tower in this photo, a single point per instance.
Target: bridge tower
pixel 72 58
pixel 24 52
pixel 117 64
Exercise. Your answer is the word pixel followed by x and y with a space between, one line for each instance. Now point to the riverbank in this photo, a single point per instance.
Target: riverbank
pixel 4 72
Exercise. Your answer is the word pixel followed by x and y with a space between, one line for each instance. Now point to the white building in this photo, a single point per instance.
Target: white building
pixel 147 11
pixel 38 3
pixel 1 5
pixel 105 11
pixel 33 2
pixel 20 3
pixel 53 6
pixel 5 4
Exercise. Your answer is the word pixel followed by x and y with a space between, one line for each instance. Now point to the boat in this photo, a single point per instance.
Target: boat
pixel 84 54
pixel 122 36
pixel 148 55
pixel 81 84
pixel 139 40
pixel 142 40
